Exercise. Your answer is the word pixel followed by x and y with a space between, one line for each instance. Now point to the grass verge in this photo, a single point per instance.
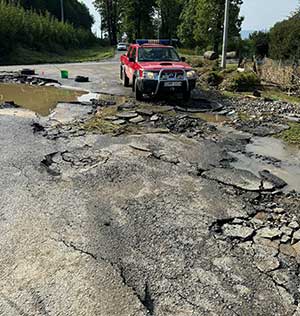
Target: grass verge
pixel 23 56
pixel 292 135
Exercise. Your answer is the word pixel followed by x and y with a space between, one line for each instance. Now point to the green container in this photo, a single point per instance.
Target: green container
pixel 64 74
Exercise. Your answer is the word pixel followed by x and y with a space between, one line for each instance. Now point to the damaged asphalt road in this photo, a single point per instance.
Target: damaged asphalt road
pixel 141 224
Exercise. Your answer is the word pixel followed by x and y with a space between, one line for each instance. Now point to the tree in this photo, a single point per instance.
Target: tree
pixel 76 13
pixel 202 22
pixel 285 38
pixel 110 11
pixel 138 19
pixel 260 41
pixel 169 12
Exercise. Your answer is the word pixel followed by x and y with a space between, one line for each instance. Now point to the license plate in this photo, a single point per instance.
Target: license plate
pixel 173 84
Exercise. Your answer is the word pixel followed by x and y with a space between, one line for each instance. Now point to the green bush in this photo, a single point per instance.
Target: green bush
pixel 215 78
pixel 242 82
pixel 19 27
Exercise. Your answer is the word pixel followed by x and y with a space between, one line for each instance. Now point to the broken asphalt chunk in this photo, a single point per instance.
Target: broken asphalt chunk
pixel 242 179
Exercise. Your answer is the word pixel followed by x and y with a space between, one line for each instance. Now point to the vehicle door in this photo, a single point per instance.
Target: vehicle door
pixel 131 64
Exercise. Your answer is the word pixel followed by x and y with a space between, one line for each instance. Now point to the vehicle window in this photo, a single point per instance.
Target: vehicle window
pixel 158 54
pixel 129 51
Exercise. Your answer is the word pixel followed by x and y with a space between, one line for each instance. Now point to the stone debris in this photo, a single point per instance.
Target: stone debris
pixel 237 231
pixel 154 118
pixel 136 120
pixel 296 235
pixel 242 179
pixel 268 176
pixel 144 112
pixel 269 233
pixel 294 225
pixel 119 122
pixel 285 239
pixel 126 115
pixel 296 248
pixel 268 264
pixel 111 118
pixel 287 250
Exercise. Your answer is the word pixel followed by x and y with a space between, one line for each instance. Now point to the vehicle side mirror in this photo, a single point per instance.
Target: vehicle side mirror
pixel 132 59
pixel 183 59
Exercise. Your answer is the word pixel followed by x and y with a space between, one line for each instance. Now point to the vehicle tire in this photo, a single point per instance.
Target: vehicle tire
pixel 186 95
pixel 125 79
pixel 137 92
pixel 121 72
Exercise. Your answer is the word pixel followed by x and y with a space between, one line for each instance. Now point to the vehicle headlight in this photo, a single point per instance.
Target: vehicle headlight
pixel 150 75
pixel 191 74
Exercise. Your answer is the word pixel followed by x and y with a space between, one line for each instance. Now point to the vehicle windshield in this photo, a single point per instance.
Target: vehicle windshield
pixel 158 54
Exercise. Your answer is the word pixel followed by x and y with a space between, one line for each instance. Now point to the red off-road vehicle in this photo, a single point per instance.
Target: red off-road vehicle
pixel 153 67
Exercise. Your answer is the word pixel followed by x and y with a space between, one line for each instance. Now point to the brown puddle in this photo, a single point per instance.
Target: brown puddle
pixel 289 156
pixel 41 100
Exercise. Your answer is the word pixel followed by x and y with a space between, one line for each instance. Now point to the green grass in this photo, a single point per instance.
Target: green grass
pixel 277 95
pixel 22 56
pixel 292 135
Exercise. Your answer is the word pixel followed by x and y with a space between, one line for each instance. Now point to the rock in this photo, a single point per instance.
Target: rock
pixel 154 118
pixel 144 112
pixel 286 230
pixel 126 106
pixel 268 176
pixel 111 118
pixel 281 277
pixel 266 242
pixel 269 233
pixel 296 248
pixel 267 264
pixel 162 109
pixel 294 225
pixel 126 115
pixel 137 119
pixel 237 231
pixel 285 239
pixel 296 235
pixel 286 297
pixel 287 250
pixel 279 210
pixel 242 179
pixel 265 251
pixel 119 122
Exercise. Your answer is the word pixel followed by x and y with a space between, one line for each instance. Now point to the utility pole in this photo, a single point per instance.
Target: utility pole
pixel 225 34
pixel 62 11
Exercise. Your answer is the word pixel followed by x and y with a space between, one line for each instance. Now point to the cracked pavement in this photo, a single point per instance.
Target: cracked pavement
pixel 140 225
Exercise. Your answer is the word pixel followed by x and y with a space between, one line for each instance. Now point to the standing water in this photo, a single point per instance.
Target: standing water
pixel 41 100
pixel 280 158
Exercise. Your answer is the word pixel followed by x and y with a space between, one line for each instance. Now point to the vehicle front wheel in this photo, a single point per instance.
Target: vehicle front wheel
pixel 125 79
pixel 121 72
pixel 137 92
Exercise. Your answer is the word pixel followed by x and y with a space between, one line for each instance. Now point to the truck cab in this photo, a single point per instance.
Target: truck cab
pixel 154 67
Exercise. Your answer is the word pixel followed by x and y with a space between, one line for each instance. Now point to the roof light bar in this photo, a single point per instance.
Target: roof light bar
pixel 153 41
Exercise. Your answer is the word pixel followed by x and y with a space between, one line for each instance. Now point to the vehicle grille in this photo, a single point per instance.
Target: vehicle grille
pixel 172 75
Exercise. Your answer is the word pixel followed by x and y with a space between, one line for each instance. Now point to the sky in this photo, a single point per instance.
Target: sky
pixel 259 14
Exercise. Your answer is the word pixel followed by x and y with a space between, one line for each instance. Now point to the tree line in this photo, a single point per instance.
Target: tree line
pixel 281 42
pixel 197 23
pixel 75 12
pixel 29 29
